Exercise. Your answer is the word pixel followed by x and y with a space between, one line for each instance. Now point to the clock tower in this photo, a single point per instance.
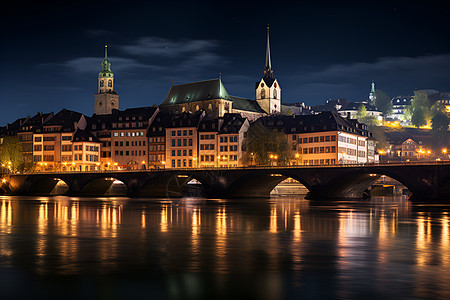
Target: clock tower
pixel 107 98
pixel 268 91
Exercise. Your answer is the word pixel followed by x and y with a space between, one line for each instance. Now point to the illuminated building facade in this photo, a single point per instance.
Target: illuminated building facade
pixel 324 139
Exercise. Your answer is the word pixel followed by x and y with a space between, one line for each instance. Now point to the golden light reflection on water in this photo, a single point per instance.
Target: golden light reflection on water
pixel 221 239
pixel 383 240
pixel 164 222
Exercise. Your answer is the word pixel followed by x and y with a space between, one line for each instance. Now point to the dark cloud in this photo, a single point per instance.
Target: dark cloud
pixel 157 46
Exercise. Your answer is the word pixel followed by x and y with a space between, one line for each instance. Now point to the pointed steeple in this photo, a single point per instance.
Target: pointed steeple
pixel 106 66
pixel 372 92
pixel 268 72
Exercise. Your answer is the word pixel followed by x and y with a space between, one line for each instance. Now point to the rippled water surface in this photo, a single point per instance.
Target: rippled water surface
pixel 278 248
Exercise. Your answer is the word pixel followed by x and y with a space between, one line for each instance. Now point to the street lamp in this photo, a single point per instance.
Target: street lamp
pixel 297 157
pixel 195 161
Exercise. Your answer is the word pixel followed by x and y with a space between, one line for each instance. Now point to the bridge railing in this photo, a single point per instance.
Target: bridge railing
pixel 423 163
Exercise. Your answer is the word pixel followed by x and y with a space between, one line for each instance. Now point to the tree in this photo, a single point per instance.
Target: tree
pixel 362 112
pixel 420 107
pixel 418 117
pixel 263 141
pixel 439 124
pixel 11 153
pixel 383 102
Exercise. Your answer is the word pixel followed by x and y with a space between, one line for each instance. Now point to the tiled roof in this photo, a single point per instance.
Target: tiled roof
pixel 246 105
pixel 231 123
pixel 325 121
pixel 84 136
pixel 196 91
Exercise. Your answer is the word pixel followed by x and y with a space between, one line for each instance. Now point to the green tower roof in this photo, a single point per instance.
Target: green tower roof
pixel 106 66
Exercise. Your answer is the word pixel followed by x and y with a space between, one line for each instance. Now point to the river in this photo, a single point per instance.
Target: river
pixel 278 248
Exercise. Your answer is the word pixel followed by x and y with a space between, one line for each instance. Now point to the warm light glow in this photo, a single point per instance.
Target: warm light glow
pixel 194 158
pixel 143 162
pixel 163 162
pixel 3 180
pixel 297 155
pixel 444 150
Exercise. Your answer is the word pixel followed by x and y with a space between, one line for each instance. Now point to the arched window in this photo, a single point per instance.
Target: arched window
pixel 210 107
pixel 183 109
pixel 109 83
pixel 197 108
pixel 263 93
pixel 102 83
pixel 274 94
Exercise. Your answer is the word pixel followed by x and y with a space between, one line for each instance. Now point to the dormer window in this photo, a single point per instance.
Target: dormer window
pixel 102 83
pixel 109 83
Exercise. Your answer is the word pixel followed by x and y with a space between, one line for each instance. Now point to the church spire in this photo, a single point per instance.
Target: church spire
pixel 106 66
pixel 372 92
pixel 268 72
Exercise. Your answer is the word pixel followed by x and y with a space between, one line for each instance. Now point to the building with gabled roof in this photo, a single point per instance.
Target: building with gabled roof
pixel 210 96
pixel 324 139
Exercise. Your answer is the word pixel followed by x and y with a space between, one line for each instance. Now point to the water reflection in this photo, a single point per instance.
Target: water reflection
pixel 388 246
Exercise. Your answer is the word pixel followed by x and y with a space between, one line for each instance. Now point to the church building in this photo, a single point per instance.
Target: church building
pixel 212 97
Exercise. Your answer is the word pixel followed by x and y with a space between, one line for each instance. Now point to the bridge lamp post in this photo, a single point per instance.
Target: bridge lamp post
pixel 297 156
pixel 115 166
pixel 251 158
pixel 163 164
pixel 143 164
pixel 195 162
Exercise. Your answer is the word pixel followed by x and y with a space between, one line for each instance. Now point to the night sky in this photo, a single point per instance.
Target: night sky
pixel 51 51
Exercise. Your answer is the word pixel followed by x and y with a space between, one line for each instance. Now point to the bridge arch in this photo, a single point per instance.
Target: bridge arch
pixel 104 186
pixel 259 183
pixel 173 185
pixel 49 186
pixel 356 183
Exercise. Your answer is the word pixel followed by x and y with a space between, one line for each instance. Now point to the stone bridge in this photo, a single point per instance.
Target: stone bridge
pixel 428 181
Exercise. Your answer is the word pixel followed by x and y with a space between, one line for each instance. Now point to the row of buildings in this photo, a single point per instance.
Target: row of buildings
pixel 149 137
pixel 400 104
pixel 197 125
